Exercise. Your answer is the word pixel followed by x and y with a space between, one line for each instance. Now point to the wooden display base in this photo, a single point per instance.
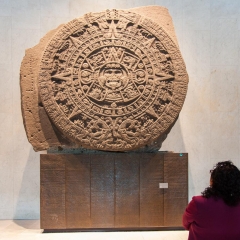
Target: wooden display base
pixel 113 191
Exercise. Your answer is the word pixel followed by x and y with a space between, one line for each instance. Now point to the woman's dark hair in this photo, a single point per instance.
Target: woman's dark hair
pixel 225 183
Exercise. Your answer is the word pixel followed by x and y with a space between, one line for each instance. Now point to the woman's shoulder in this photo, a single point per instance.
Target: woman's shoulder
pixel 202 200
pixel 198 198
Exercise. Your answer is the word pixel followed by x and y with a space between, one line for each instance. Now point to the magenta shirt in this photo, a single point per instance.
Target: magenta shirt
pixel 210 219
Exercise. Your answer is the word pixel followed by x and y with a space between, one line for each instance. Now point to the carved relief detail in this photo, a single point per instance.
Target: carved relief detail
pixel 112 80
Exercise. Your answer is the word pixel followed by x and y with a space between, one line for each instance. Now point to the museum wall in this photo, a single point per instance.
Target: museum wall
pixel 208 127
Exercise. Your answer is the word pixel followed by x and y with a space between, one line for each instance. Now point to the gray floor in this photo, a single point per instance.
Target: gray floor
pixel 30 230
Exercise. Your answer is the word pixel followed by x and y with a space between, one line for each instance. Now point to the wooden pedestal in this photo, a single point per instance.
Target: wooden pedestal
pixel 113 191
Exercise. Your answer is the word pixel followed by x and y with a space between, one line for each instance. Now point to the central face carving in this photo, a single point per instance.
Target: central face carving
pixel 113 76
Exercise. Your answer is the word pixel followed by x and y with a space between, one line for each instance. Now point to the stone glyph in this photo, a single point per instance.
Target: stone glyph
pixel 113 81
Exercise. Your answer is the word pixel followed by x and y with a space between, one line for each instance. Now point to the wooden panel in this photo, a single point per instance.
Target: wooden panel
pixel 78 191
pixel 102 191
pixel 151 197
pixel 52 192
pixel 113 190
pixel 176 196
pixel 127 204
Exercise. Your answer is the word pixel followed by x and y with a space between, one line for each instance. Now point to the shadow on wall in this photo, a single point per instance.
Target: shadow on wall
pixel 28 224
pixel 174 141
pixel 27 188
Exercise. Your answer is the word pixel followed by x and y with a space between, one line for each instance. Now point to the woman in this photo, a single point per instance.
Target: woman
pixel 215 215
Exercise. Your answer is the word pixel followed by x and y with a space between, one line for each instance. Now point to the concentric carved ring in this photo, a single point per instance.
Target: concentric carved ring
pixel 112 81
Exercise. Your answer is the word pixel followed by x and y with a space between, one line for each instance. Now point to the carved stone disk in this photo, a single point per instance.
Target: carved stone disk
pixel 112 80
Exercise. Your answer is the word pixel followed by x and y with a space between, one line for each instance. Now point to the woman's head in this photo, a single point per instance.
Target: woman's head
pixel 225 183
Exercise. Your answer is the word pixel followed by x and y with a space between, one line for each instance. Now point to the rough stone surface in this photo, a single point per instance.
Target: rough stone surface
pixel 112 81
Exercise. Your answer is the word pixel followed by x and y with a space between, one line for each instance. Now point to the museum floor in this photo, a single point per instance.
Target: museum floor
pixel 30 230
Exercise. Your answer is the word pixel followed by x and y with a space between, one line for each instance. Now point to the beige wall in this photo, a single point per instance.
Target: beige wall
pixel 209 124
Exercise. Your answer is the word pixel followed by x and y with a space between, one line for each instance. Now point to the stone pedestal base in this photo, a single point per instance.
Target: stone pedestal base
pixel 113 191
